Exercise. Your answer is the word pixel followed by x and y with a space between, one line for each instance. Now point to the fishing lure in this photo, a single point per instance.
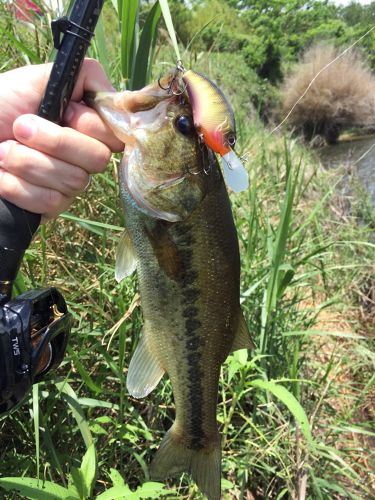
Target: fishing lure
pixel 214 121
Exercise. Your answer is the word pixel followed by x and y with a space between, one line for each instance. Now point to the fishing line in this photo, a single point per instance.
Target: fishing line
pixel 364 154
pixel 317 75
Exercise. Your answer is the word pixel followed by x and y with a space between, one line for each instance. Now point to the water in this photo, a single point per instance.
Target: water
pixel 359 157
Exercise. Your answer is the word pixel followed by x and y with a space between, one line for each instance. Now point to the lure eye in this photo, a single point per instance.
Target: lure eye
pixel 184 124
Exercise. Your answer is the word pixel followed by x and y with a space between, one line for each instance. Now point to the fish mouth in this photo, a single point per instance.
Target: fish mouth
pixel 133 116
pixel 128 112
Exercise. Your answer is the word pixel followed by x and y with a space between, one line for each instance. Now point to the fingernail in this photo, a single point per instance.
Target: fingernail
pixel 25 127
pixel 4 148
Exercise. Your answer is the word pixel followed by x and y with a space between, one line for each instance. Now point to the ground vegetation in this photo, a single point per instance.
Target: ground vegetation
pixel 296 414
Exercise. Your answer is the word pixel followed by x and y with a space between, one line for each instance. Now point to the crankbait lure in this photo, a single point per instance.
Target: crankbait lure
pixel 215 123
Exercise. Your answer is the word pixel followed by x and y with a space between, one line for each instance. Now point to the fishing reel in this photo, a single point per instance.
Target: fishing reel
pixel 34 331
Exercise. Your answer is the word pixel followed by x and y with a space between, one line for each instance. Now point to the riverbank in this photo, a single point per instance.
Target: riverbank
pixel 305 269
pixel 357 155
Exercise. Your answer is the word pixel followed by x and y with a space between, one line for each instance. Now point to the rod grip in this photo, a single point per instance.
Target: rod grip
pixel 17 227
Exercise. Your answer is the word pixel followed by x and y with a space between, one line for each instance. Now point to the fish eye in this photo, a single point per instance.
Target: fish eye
pixel 231 140
pixel 184 124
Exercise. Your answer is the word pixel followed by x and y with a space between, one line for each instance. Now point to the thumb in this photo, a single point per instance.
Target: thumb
pixel 91 77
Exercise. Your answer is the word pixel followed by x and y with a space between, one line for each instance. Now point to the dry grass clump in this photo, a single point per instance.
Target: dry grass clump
pixel 342 95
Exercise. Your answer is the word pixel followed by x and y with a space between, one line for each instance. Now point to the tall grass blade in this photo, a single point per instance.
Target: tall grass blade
pixel 83 372
pixel 290 402
pixel 29 55
pixel 36 425
pixel 129 16
pixel 89 469
pixel 34 489
pixel 71 398
pixel 145 49
pixel 100 45
pixel 169 24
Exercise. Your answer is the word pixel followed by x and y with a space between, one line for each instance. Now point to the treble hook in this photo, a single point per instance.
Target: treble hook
pixel 168 89
pixel 181 89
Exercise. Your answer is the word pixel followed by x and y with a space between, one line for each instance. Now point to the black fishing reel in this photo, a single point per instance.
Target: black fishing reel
pixel 34 331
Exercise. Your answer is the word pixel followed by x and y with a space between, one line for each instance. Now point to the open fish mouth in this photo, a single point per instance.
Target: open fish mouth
pixel 129 113
pixel 145 121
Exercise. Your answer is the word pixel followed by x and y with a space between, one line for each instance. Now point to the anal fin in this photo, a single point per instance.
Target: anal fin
pixel 242 339
pixel 145 370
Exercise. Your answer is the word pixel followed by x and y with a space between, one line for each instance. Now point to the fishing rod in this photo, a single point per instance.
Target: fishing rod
pixel 35 326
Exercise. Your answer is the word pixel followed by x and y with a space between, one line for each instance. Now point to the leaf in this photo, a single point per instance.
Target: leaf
pixel 82 371
pixel 169 24
pixel 35 489
pixel 146 42
pixel 116 477
pixel 226 485
pixel 71 398
pixel 36 425
pixel 290 402
pixel 87 223
pixel 151 490
pixel 129 15
pixel 78 482
pixel 89 469
pixel 97 403
pixel 117 492
pixel 101 44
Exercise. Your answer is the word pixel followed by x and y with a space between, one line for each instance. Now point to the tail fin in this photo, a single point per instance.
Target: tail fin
pixel 204 465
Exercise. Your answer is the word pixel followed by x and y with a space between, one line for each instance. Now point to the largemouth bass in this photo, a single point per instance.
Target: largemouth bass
pixel 181 239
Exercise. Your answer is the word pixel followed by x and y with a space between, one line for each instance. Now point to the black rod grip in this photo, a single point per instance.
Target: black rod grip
pixel 17 228
pixel 71 52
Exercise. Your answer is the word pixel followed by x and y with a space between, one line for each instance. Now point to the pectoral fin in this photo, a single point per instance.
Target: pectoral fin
pixel 242 339
pixel 165 249
pixel 126 262
pixel 145 371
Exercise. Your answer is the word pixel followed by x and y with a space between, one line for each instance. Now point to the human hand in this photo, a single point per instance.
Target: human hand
pixel 43 166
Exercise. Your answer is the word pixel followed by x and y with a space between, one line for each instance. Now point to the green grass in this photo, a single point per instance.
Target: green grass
pixel 294 414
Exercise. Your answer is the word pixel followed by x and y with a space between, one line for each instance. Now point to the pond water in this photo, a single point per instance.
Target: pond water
pixel 358 155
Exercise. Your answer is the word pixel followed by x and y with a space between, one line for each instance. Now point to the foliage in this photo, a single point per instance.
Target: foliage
pixel 287 411
pixel 342 92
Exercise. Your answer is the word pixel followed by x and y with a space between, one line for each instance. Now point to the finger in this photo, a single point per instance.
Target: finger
pixel 33 198
pixel 62 143
pixel 18 100
pixel 42 170
pixel 91 77
pixel 87 121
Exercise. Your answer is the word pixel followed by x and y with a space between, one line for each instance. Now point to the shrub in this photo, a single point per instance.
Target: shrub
pixel 342 92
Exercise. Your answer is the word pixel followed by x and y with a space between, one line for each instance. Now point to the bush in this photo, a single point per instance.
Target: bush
pixel 339 93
